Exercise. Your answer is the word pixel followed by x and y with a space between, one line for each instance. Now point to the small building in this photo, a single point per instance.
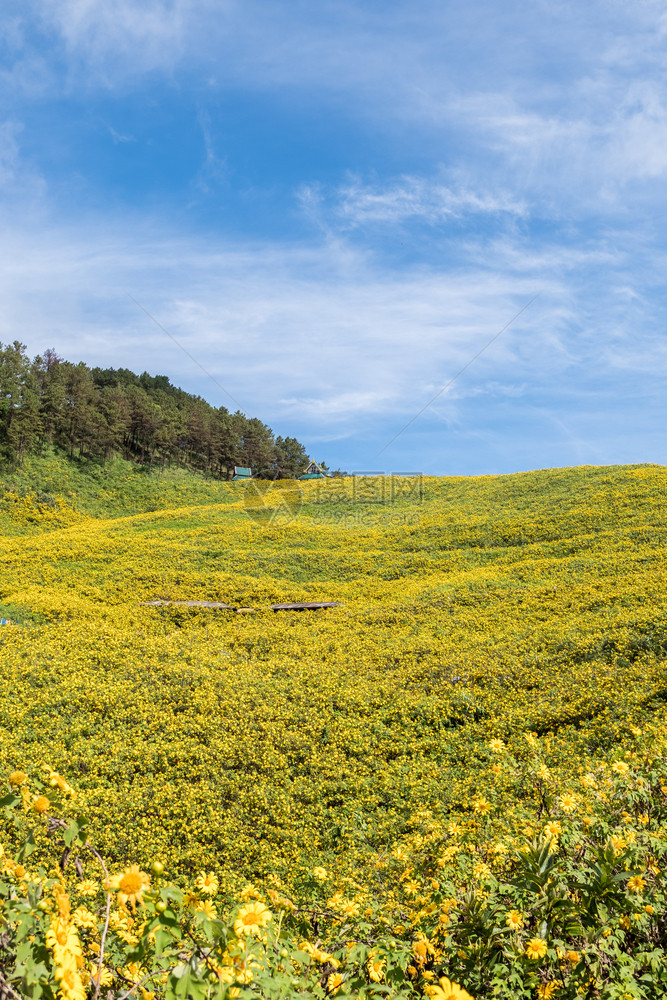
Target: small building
pixel 314 472
pixel 241 474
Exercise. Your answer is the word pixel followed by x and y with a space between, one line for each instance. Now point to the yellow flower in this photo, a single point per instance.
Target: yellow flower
pixel 376 969
pixel 636 884
pixel 63 902
pixel 572 956
pixel 17 778
pixel 249 892
pixel 252 918
pixel 618 843
pixel 553 829
pixel 481 805
pixel 536 948
pixel 207 883
pixel 132 971
pixel 568 802
pixel 620 767
pixel 498 746
pixel 57 781
pixel 447 990
pixel 649 909
pixel 321 956
pixel 334 982
pixel 69 981
pixel 422 949
pixel 546 990
pixel 106 978
pixel 207 907
pixel 130 886
pixel 321 874
pixel 514 920
pixel 87 887
pixel 63 940
pixel 625 922
pixel 82 917
pixel 41 804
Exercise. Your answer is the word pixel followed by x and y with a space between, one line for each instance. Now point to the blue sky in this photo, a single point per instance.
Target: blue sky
pixel 333 206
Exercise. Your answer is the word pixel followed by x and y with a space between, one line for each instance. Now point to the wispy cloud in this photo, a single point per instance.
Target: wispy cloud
pixel 280 320
pixel 21 185
pixel 118 137
pixel 213 170
pixel 125 38
pixel 417 198
pixel 9 150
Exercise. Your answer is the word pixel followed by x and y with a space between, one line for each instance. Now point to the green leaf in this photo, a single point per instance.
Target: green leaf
pixel 71 833
pixel 162 939
pixel 188 984
pixel 27 847
pixel 10 801
pixel 302 956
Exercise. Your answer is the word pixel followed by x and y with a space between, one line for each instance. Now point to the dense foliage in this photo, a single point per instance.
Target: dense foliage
pixel 99 413
pixel 453 784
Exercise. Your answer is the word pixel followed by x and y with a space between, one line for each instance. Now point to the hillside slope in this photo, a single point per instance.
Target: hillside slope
pixel 471 609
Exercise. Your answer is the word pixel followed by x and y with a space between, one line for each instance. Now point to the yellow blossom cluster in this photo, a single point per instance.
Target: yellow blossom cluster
pixel 490 677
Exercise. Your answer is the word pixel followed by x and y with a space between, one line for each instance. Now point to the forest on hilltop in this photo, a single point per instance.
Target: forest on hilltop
pixel 97 413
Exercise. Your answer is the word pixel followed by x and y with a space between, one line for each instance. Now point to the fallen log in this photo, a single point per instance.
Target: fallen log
pixel 305 606
pixel 188 604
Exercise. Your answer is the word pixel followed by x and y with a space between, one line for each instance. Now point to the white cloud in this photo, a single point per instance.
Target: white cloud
pixel 328 344
pixel 118 137
pixel 281 328
pixel 9 150
pixel 562 97
pixel 345 406
pixel 599 157
pixel 123 37
pixel 417 198
pixel 22 186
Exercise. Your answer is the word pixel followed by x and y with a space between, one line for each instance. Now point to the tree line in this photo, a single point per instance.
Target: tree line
pixel 96 413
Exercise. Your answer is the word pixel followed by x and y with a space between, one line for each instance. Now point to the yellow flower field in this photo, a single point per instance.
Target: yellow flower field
pixel 494 669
